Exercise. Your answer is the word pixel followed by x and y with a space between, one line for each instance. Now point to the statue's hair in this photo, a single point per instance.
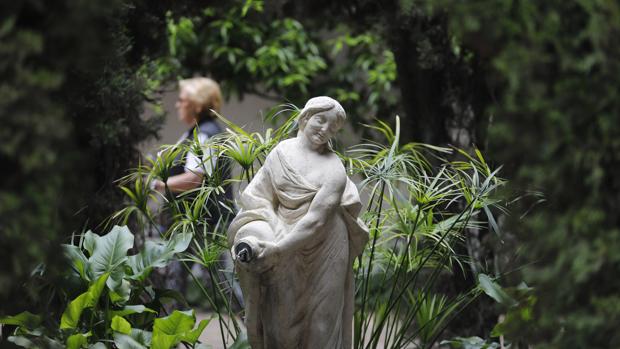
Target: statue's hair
pixel 320 104
pixel 203 91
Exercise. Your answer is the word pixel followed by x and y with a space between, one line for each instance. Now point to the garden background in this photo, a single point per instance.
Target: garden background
pixel 534 86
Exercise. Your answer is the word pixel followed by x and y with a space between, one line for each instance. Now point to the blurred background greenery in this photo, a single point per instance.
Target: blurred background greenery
pixel 534 85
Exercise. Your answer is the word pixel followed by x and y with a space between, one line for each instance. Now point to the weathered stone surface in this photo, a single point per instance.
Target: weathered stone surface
pixel 296 237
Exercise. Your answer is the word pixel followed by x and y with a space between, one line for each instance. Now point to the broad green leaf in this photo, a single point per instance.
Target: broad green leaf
pixel 120 325
pixel 24 319
pixel 126 342
pixel 164 341
pixel 119 290
pixel 98 345
pixel 89 242
pixel 77 340
pixel 132 309
pixel 157 254
pixel 193 335
pixel 495 291
pixel 109 252
pixel 79 262
pixel 176 323
pixel 142 337
pixel 88 299
pixel 173 329
pixel 137 339
pixel 71 316
pixel 21 341
pixel 39 341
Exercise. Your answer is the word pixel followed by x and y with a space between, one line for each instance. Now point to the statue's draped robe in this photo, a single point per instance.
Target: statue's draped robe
pixel 306 300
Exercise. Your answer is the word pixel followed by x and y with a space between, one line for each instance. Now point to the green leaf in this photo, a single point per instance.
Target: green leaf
pixel 176 327
pixel 495 291
pixel 120 325
pixel 25 319
pixel 109 252
pixel 120 290
pixel 164 341
pixel 71 316
pixel 79 262
pixel 137 339
pixel 176 323
pixel 78 340
pixel 88 299
pixel 126 342
pixel 157 255
pixel 21 341
pixel 193 335
pixel 40 341
pixel 89 242
pixel 132 309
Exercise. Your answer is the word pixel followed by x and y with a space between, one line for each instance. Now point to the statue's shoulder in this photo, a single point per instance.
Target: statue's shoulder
pixel 333 172
pixel 281 148
pixel 285 145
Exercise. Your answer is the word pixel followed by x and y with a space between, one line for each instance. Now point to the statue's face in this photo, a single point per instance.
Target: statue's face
pixel 321 127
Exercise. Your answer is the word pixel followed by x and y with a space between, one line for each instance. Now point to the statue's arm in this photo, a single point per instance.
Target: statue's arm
pixel 259 194
pixel 257 203
pixel 322 208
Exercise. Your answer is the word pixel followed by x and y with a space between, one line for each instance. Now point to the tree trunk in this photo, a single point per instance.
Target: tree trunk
pixel 420 83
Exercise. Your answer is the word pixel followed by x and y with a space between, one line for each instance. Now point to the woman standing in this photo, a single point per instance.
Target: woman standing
pixel 197 97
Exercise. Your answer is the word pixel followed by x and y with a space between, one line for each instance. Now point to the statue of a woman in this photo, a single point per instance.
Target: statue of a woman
pixel 296 237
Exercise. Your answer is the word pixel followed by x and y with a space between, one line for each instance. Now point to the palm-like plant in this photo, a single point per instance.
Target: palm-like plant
pixel 418 213
pixel 420 207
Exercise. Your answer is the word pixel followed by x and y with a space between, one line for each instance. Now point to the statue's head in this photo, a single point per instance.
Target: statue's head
pixel 321 118
pixel 197 96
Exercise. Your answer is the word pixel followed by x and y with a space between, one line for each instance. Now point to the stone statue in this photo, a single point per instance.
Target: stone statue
pixel 295 239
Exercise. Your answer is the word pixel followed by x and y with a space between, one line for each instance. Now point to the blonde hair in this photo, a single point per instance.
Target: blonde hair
pixel 205 92
pixel 320 104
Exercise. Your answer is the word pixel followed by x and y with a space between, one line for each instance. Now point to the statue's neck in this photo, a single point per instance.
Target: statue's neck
pixel 306 144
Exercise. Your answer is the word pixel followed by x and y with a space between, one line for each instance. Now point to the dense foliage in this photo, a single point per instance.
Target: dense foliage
pixel 70 106
pixel 535 84
pixel 108 299
pixel 418 215
pixel 557 71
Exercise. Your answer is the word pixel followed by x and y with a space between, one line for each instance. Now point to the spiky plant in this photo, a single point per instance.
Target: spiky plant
pixel 420 207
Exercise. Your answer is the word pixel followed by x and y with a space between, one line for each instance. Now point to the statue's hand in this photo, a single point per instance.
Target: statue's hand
pixel 267 257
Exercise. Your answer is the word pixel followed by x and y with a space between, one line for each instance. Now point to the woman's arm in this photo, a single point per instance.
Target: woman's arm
pixel 195 167
pixel 181 182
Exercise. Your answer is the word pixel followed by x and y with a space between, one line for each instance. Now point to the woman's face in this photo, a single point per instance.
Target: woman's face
pixel 187 111
pixel 321 127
